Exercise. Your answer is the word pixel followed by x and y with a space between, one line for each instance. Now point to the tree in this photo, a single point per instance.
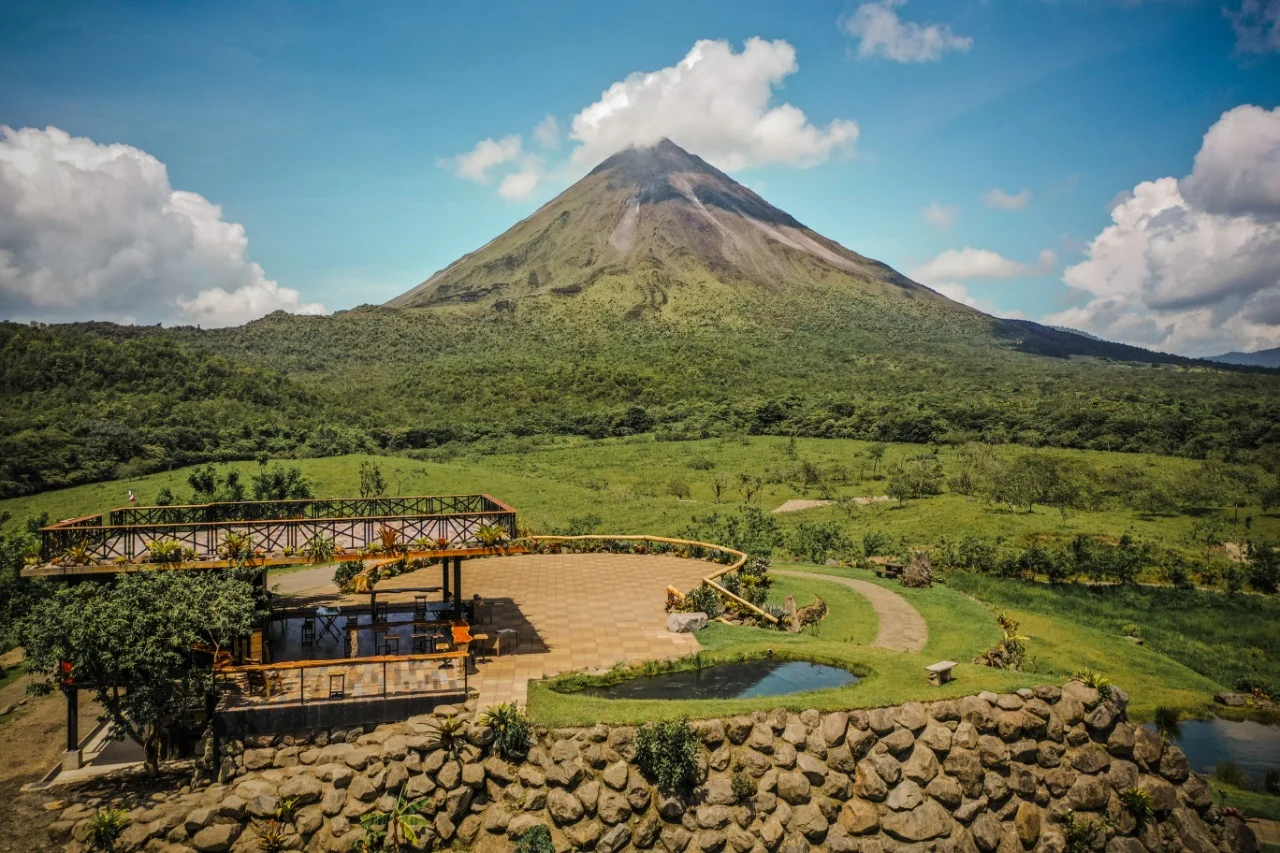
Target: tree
pixel 1264 567
pixel 915 478
pixel 719 482
pixel 815 541
pixel 17 595
pixel 678 489
pixel 143 643
pixel 210 487
pixel 749 485
pixel 371 483
pixel 751 530
pixel 876 452
pixel 278 483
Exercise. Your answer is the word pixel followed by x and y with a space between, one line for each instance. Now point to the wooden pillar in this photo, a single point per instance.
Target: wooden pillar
pixel 444 576
pixel 73 718
pixel 457 585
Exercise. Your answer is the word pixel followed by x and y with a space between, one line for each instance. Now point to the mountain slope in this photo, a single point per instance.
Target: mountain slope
pixel 1260 358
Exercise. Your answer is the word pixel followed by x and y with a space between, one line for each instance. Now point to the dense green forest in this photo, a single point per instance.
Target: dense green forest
pixel 90 402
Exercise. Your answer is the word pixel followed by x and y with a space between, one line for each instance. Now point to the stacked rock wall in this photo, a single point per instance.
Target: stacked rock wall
pixel 984 773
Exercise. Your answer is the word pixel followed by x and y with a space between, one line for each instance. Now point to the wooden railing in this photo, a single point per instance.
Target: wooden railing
pixel 273 527
pixel 740 560
pixel 378 663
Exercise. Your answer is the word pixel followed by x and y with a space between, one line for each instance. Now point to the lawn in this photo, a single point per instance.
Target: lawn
pixel 1252 803
pixel 1219 637
pixel 841 639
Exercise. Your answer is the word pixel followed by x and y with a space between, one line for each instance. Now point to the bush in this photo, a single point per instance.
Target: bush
pixel 1271 782
pixel 1230 773
pixel 667 752
pixel 1138 802
pixel 344 574
pixel 744 788
pixel 703 599
pixel 105 827
pixel 1264 567
pixel 1129 630
pixel 511 737
pixel 536 839
pixel 1254 685
pixel 816 541
pixel 874 543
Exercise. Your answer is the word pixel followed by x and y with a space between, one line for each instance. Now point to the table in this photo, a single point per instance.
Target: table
pixel 328 616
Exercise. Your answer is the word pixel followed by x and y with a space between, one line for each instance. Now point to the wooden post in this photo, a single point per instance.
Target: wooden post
pixel 457 585
pixel 73 718
pixel 444 575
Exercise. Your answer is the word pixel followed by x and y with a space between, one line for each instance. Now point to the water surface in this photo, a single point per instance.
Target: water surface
pixel 1253 746
pixel 746 680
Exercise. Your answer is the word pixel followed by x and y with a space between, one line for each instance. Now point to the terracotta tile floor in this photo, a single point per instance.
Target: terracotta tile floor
pixel 571 611
pixel 576 611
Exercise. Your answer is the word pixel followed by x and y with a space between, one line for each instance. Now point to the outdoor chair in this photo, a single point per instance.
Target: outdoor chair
pixel 419 608
pixel 390 646
pixel 337 686
pixel 308 632
pixel 380 612
pixel 420 644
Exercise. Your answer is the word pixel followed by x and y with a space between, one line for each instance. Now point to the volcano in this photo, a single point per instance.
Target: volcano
pixel 651 228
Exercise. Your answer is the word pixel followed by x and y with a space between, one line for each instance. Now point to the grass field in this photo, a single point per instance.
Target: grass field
pixel 1221 638
pixel 959 629
pixel 626 484
pixel 1252 803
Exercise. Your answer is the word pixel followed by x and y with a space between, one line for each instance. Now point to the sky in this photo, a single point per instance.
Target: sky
pixel 1107 165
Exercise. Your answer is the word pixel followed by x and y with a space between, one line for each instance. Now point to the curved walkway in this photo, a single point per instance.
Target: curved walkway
pixel 902 628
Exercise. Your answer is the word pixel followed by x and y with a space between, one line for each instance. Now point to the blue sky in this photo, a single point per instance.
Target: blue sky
pixel 327 130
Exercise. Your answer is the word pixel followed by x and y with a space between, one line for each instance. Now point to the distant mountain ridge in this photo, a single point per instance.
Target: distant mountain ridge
pixel 1260 358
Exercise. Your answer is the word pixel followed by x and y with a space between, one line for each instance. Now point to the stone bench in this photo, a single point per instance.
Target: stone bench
pixel 940 672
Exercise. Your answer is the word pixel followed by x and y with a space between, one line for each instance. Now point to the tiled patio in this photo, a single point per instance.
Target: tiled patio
pixel 571 611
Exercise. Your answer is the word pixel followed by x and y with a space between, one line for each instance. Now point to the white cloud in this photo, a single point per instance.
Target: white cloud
pixel 90 230
pixel 1237 170
pixel 940 215
pixel 969 263
pixel 998 199
pixel 487 155
pixel 960 293
pixel 1257 25
pixel 881 33
pixel 715 103
pixel 547 132
pixel 1192 266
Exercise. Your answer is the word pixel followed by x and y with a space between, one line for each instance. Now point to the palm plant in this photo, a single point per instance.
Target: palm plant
pixel 510 730
pixel 236 547
pixel 165 551
pixel 447 733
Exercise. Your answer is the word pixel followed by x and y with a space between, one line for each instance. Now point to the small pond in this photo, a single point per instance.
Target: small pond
pixel 1254 746
pixel 746 680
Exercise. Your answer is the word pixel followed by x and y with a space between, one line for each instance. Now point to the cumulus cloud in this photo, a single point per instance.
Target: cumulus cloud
pixel 881 33
pixel 969 263
pixel 716 102
pixel 960 293
pixel 92 230
pixel 940 215
pixel 1257 25
pixel 1192 266
pixel 998 199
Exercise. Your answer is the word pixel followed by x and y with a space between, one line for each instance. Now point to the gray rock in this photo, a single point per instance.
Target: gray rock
pixel 833 727
pixel 615 839
pixel 793 787
pixel 303 790
pixel 905 796
pixel 216 838
pixel 686 623
pixel 1230 699
pixel 923 823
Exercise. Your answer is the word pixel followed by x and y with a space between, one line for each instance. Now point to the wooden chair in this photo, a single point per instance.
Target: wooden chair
pixel 419 607
pixel 308 632
pixel 337 686
pixel 390 645
pixel 420 644
pixel 380 612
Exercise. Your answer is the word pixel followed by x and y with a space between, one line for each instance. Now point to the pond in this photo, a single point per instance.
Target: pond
pixel 1254 746
pixel 746 680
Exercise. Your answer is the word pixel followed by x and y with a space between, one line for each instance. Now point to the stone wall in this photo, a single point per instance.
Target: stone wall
pixel 983 773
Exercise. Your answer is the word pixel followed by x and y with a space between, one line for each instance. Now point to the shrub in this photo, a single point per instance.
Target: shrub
pixel 744 787
pixel 1271 782
pixel 321 549
pixel 1096 680
pixel 510 730
pixel 703 599
pixel 1079 834
pixel 1254 685
pixel 1129 630
pixel 273 837
pixel 815 541
pixel 874 543
pixel 536 839
pixel 447 733
pixel 105 827
pixel 1138 802
pixel 1168 724
pixel 667 752
pixel 344 574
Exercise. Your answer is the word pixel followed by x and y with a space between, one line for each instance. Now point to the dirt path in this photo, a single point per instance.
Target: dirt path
pixel 902 628
pixel 798 504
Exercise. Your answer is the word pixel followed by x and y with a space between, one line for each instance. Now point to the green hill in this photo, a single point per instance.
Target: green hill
pixel 656 294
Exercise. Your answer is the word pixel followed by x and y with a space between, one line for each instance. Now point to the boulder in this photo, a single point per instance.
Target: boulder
pixel 927 821
pixel 686 623
pixel 216 838
pixel 1230 699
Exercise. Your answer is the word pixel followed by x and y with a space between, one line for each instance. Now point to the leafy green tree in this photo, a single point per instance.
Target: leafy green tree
pixel 208 486
pixel 1264 567
pixel 876 451
pixel 915 478
pixel 371 483
pixel 278 483
pixel 134 642
pixel 17 595
pixel 816 541
pixel 750 530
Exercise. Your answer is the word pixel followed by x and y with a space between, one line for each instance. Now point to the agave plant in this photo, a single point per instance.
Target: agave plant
pixel 321 549
pixel 105 827
pixel 389 536
pixel 448 734
pixel 79 554
pixel 165 551
pixel 510 730
pixel 1096 680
